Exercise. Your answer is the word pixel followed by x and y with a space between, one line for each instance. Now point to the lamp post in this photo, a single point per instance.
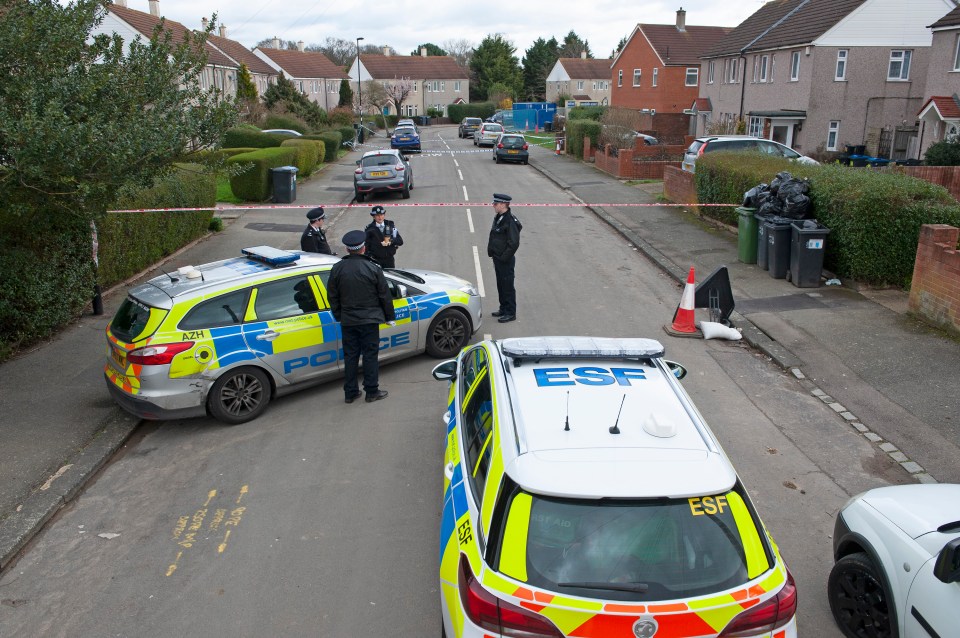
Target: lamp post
pixel 359 94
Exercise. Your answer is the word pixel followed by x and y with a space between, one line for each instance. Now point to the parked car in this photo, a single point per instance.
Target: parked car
pixel 511 147
pixel 649 140
pixel 897 570
pixel 406 138
pixel 738 143
pixel 282 131
pixel 408 122
pixel 468 126
pixel 487 134
pixel 381 172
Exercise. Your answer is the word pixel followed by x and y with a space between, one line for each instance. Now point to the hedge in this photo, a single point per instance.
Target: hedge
pixel 286 121
pixel 346 133
pixel 309 154
pixel 244 137
pixel 331 140
pixel 253 185
pixel 586 113
pixel 576 130
pixel 874 216
pixel 483 110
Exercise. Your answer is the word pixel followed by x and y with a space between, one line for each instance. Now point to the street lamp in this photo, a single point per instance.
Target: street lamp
pixel 359 93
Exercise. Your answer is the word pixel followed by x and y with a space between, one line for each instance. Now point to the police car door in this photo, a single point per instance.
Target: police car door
pixel 403 338
pixel 931 606
pixel 291 329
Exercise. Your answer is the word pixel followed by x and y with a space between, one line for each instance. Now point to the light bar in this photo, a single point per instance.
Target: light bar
pixel 270 255
pixel 581 348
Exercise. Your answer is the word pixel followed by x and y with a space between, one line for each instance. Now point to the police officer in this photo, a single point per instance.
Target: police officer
pixel 314 239
pixel 382 238
pixel 502 247
pixel 360 300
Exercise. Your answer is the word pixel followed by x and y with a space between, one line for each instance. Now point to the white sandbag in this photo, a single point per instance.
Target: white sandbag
pixel 713 330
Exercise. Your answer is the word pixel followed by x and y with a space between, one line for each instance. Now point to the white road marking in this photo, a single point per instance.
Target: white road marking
pixel 476 263
pixel 460 174
pixel 466 198
pixel 456 163
pixel 470 220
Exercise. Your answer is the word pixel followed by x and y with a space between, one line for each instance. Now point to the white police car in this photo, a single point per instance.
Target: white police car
pixel 584 495
pixel 897 570
pixel 224 338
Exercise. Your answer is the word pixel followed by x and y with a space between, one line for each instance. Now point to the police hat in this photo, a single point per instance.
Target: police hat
pixel 500 198
pixel 354 240
pixel 378 210
pixel 316 213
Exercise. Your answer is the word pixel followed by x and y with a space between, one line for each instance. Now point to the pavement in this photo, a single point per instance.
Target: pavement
pixel 886 374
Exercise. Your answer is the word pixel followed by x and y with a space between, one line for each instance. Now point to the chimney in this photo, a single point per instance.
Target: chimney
pixel 583 55
pixel 205 23
pixel 120 3
pixel 155 8
pixel 276 42
pixel 423 52
pixel 681 20
pixel 223 30
pixel 386 50
pixel 300 46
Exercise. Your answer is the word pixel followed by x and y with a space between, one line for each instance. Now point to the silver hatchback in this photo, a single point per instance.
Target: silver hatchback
pixel 382 171
pixel 487 134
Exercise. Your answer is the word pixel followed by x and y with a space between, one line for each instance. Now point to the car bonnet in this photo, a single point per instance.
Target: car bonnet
pixel 916 509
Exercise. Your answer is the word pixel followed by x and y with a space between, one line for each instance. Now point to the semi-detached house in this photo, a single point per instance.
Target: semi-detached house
pixel 312 73
pixel 823 74
pixel 585 81
pixel 940 114
pixel 435 81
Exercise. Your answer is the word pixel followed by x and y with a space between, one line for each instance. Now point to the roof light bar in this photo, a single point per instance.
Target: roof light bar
pixel 271 256
pixel 581 348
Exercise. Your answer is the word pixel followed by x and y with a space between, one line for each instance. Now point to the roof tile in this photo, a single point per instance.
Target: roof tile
pixel 586 69
pixel 414 67
pixel 145 23
pixel 682 48
pixel 305 64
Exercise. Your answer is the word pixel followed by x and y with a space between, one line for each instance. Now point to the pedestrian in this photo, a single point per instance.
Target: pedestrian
pixel 502 247
pixel 382 238
pixel 314 238
pixel 360 300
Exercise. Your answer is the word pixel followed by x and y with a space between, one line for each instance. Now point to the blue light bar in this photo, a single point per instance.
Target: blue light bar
pixel 271 256
pixel 581 348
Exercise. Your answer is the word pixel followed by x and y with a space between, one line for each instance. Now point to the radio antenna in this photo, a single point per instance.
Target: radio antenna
pixel 566 426
pixel 615 429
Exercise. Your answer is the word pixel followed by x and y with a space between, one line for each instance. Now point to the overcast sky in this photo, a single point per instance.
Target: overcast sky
pixel 404 24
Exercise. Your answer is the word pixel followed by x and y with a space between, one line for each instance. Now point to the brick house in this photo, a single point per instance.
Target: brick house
pixel 586 81
pixel 262 74
pixel 822 74
pixel 940 114
pixel 313 73
pixel 658 69
pixel 437 81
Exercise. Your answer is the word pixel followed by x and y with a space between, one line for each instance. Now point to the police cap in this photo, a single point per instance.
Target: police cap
pixel 316 213
pixel 500 198
pixel 378 210
pixel 354 240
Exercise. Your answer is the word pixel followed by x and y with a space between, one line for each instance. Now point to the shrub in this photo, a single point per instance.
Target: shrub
pixel 341 116
pixel 385 121
pixel 586 113
pixel 308 154
pixel 945 153
pixel 346 133
pixel 577 130
pixel 874 216
pixel 483 110
pixel 331 141
pixel 243 137
pixel 253 184
pixel 286 120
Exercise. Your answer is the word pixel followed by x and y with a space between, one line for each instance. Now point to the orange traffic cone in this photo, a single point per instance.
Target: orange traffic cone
pixel 536 127
pixel 684 324
pixel 558 147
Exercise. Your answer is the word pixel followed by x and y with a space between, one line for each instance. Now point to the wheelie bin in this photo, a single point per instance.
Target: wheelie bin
pixel 808 244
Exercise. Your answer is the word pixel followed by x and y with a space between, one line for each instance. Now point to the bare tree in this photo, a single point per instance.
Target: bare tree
pixel 374 95
pixel 619 127
pixel 339 51
pixel 460 50
pixel 398 90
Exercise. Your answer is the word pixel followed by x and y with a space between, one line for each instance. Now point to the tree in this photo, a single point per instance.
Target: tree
pixel 537 64
pixel 339 51
pixel 246 89
pixel 622 43
pixel 494 61
pixel 573 46
pixel 284 96
pixel 432 49
pixel 267 43
pixel 346 93
pixel 460 50
pixel 397 91
pixel 374 94
pixel 943 153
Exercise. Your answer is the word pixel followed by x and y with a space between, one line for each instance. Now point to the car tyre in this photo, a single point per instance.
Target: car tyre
pixel 525 162
pixel 358 196
pixel 858 598
pixel 240 395
pixel 405 193
pixel 448 333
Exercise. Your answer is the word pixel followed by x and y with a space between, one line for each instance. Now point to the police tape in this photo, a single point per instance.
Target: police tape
pixel 414 205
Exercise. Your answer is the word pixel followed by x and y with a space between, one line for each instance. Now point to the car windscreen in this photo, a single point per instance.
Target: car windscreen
pixel 492 128
pixel 512 141
pixel 132 321
pixel 636 550
pixel 473 121
pixel 379 160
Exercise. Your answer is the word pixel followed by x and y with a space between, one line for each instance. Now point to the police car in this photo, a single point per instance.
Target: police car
pixel 226 337
pixel 584 495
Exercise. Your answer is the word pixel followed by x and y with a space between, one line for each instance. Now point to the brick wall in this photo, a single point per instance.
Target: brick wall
pixel 935 291
pixel 946 176
pixel 679 186
pixel 641 162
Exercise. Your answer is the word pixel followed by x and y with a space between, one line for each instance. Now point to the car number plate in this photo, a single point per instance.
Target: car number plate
pixel 379 173
pixel 513 152
pixel 119 357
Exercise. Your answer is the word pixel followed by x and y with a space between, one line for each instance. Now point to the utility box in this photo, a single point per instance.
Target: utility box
pixel 284 184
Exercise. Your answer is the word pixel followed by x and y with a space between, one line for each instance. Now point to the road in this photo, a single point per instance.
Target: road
pixel 321 519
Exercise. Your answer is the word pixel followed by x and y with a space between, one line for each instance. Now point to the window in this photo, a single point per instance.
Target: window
pixel 795 66
pixel 841 74
pixel 764 67
pixel 956 55
pixel 833 133
pixel 620 77
pixel 224 310
pixel 732 71
pixel 477 423
pixel 756 127
pixel 710 71
pixel 456 86
pixel 693 76
pixel 756 67
pixel 415 86
pixel 899 68
pixel 579 85
pixel 285 298
pixel 656 72
pixel 636 77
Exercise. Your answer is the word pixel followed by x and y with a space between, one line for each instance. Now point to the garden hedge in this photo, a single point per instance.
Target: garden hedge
pixel 483 110
pixel 309 154
pixel 286 121
pixel 874 216
pixel 576 130
pixel 253 184
pixel 245 137
pixel 331 140
pixel 346 133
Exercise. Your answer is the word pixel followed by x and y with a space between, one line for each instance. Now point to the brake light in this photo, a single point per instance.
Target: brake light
pixel 702 149
pixel 359 171
pixel 157 355
pixel 766 617
pixel 500 145
pixel 489 612
pixel 399 167
pixel 524 147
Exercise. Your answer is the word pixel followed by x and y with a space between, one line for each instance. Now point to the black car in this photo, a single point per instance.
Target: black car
pixel 511 147
pixel 469 126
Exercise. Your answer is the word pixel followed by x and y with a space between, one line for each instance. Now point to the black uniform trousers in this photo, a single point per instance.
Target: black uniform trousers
pixel 361 341
pixel 505 289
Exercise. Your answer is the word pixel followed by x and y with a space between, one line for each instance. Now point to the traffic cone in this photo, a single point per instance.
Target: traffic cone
pixel 684 324
pixel 536 128
pixel 558 147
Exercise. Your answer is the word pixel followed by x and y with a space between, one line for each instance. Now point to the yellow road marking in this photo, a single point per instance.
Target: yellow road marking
pixel 210 496
pixel 223 546
pixel 173 566
pixel 243 490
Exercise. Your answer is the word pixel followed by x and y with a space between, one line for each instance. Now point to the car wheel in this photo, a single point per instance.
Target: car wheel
pixel 358 196
pixel 405 193
pixel 858 599
pixel 239 396
pixel 496 158
pixel 448 333
pixel 525 162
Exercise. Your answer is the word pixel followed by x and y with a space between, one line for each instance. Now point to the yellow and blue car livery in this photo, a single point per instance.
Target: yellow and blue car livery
pixel 262 319
pixel 584 495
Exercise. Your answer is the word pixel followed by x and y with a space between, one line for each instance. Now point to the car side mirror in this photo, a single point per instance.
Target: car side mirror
pixel 401 291
pixel 678 370
pixel 947 567
pixel 358 162
pixel 446 371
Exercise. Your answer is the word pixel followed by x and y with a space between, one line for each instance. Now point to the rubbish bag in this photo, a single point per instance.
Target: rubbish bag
pixel 773 206
pixel 777 181
pixel 793 186
pixel 796 206
pixel 751 197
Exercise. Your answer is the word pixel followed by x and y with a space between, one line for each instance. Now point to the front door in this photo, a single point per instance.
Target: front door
pixel 782 133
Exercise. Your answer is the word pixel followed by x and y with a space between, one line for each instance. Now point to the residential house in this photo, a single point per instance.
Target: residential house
pixel 658 69
pixel 584 81
pixel 435 81
pixel 220 72
pixel 940 114
pixel 262 74
pixel 313 73
pixel 824 74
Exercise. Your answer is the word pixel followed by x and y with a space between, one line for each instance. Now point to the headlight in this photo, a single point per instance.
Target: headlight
pixel 470 290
